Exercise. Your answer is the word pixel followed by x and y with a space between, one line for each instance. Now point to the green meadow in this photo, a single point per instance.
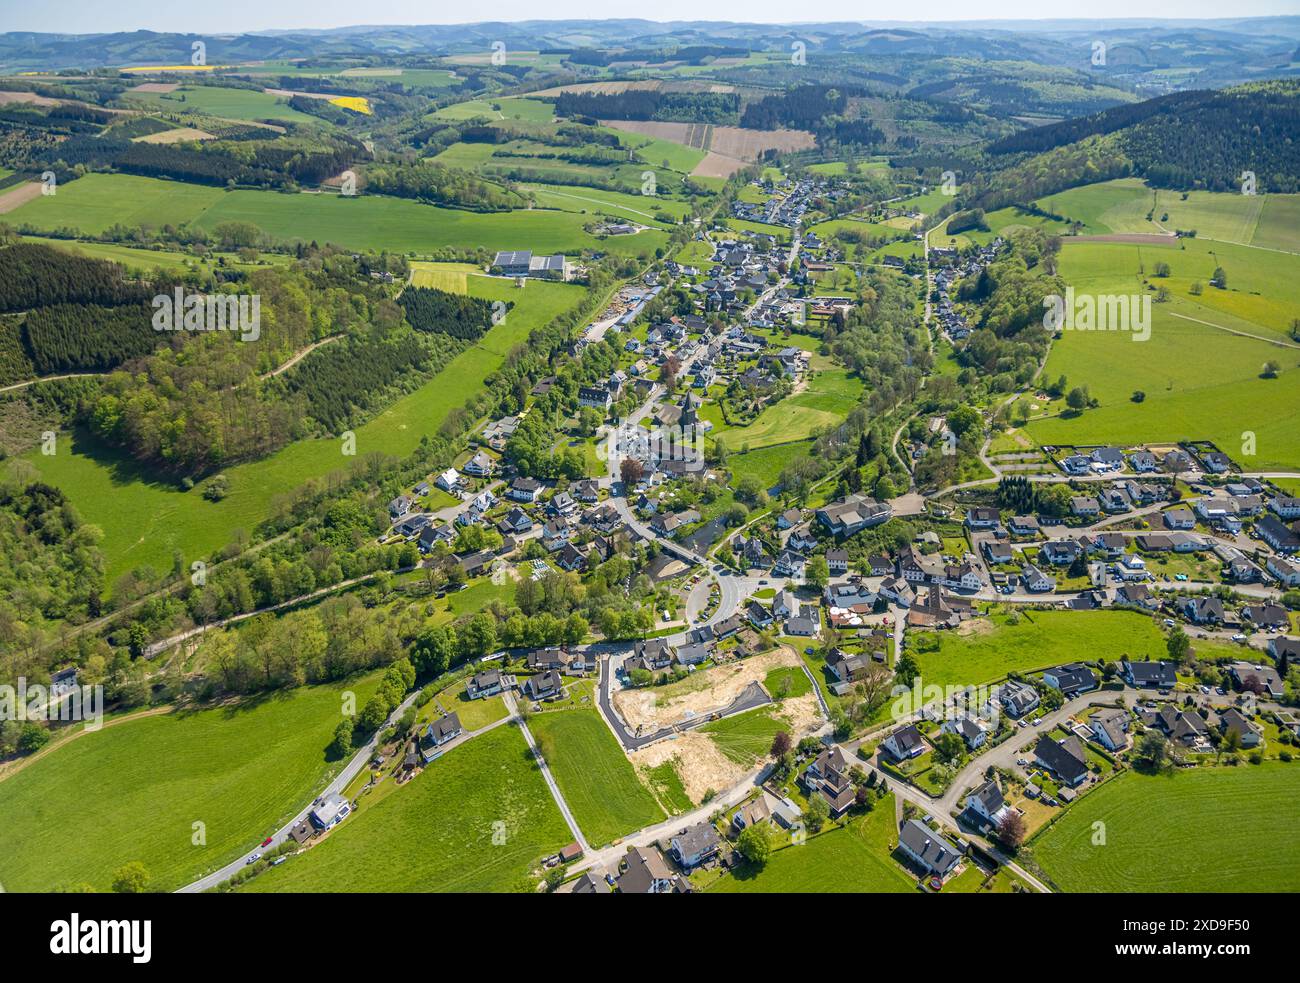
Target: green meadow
pixel 97 201
pixel 989 649
pixel 1120 206
pixel 1196 830
pixel 145 520
pixel 1200 380
pixel 476 819
pixel 245 104
pixel 640 208
pixel 134 790
pixel 595 777
pixel 829 397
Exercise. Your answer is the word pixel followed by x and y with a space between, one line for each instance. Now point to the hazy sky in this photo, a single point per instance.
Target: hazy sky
pixel 90 16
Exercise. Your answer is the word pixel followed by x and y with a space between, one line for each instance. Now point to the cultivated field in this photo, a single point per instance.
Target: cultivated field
pixel 245 104
pixel 134 790
pixel 476 819
pixel 594 775
pixel 1201 830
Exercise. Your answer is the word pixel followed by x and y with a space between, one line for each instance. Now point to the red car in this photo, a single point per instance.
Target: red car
pixel 267 841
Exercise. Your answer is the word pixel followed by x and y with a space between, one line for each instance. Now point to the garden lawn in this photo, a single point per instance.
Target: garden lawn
pixel 437 833
pixel 133 790
pixel 1198 830
pixel 1040 640
pixel 855 859
pixel 594 775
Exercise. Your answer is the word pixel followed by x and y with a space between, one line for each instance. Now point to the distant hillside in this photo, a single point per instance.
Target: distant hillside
pixel 1191 139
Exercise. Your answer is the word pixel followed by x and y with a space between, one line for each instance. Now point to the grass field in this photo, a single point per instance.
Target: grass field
pixel 1041 639
pixel 245 104
pixel 855 859
pixel 145 521
pixel 1201 380
pixel 1264 220
pixel 594 775
pixel 535 110
pixel 827 400
pixel 133 790
pixel 641 208
pixel 476 819
pixel 1199 830
pixel 97 201
pixel 767 463
pixel 746 738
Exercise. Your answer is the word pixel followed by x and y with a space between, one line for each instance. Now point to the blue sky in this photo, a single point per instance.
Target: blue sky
pixel 90 16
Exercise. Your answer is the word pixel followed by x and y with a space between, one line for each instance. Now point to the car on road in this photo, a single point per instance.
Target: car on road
pixel 254 858
pixel 267 842
pixel 1205 689
pixel 1221 691
pixel 1239 637
pixel 1170 623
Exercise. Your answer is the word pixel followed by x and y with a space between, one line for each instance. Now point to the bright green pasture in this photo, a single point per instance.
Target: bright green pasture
pixel 93 203
pixel 830 395
pixel 595 777
pixel 1200 380
pixel 1198 830
pixel 245 104
pixel 134 790
pixel 1041 639
pixel 476 819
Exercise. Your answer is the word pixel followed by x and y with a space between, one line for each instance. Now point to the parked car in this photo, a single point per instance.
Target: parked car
pixel 254 858
pixel 278 860
pixel 267 841
pixel 1239 637
pixel 1170 623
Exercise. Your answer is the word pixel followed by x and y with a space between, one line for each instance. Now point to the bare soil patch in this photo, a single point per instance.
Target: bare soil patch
pixel 20 195
pixel 177 135
pixel 30 98
pixel 715 165
pixel 699 694
pixel 699 763
pixel 155 87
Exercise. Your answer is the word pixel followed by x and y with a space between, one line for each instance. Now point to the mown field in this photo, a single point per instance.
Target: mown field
pixel 146 521
pixel 1201 377
pixel 476 819
pixel 767 463
pixel 245 104
pixel 747 737
pixel 1201 830
pixel 136 258
pixel 826 401
pixel 594 775
pixel 855 859
pixel 133 790
pixel 1041 638
pixel 94 203
pixel 1263 220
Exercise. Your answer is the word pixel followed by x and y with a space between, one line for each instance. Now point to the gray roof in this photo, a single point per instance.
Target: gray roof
pixel 929 847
